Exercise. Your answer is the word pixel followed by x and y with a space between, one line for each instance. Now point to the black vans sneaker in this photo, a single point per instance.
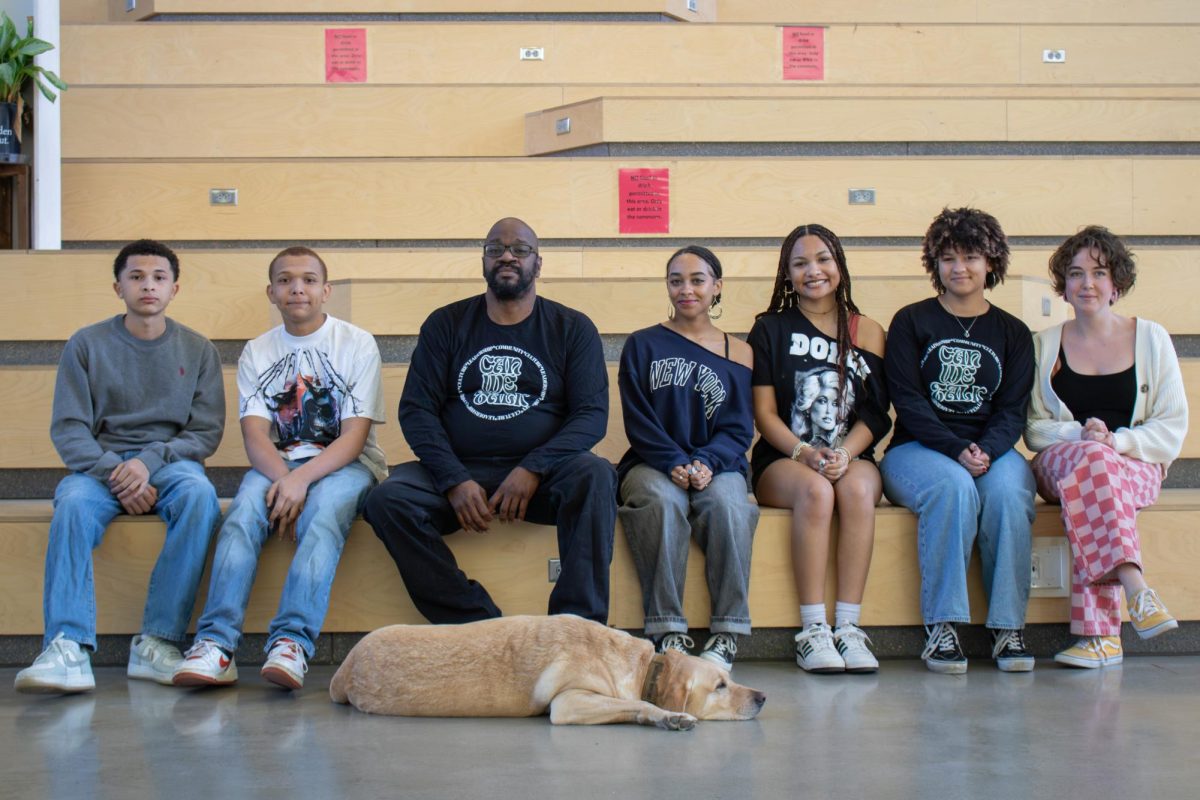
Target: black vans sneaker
pixel 943 653
pixel 1009 651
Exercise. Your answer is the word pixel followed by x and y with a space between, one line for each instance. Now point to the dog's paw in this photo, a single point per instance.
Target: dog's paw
pixel 673 721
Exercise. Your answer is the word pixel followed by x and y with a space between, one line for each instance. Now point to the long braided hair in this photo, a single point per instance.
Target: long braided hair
pixel 784 296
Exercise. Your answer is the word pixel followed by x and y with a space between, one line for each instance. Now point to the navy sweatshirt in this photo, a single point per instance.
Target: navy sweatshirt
pixel 683 403
pixel 950 389
pixel 481 398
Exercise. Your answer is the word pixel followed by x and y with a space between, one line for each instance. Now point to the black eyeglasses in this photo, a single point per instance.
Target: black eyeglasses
pixel 519 250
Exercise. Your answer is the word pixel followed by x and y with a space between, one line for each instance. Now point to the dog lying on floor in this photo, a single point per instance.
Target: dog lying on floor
pixel 582 672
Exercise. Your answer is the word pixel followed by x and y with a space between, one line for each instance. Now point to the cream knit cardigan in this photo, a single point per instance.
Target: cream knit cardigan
pixel 1160 414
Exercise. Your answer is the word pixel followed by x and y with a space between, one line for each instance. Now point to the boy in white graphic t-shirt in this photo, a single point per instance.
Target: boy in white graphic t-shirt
pixel 310 393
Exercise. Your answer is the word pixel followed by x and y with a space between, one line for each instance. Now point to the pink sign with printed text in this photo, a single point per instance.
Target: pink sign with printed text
pixel 803 54
pixel 345 55
pixel 645 198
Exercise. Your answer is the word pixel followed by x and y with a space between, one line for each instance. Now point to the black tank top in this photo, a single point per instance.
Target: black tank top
pixel 1107 397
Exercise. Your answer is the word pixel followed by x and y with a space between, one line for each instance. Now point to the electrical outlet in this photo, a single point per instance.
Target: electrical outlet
pixel 222 197
pixel 692 6
pixel 1045 306
pixel 533 54
pixel 130 5
pixel 1051 567
pixel 562 126
pixel 1054 56
pixel 553 569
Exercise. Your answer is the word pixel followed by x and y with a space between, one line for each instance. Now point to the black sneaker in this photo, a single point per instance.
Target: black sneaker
pixel 943 653
pixel 720 649
pixel 1009 651
pixel 679 642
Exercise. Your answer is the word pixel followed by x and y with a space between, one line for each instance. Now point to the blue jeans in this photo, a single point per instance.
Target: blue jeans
pixel 329 510
pixel 953 511
pixel 660 519
pixel 83 508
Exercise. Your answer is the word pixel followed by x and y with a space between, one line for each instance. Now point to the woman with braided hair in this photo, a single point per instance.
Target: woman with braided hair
pixel 820 403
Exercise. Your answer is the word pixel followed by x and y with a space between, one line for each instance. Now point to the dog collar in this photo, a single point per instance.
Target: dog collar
pixel 648 685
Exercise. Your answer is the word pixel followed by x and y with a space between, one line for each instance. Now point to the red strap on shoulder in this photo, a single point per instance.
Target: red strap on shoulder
pixel 854 318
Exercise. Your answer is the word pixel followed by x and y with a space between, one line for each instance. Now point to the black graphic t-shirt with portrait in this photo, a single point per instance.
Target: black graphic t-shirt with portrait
pixel 801 364
pixel 481 398
pixel 956 381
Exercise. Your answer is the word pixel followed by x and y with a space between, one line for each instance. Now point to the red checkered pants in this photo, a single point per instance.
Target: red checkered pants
pixel 1101 492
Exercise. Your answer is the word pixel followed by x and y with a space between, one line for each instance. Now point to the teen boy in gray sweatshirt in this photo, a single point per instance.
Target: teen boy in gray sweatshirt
pixel 138 405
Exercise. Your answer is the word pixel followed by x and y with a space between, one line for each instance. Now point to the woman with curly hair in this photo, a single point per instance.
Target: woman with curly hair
pixel 959 372
pixel 821 405
pixel 1107 416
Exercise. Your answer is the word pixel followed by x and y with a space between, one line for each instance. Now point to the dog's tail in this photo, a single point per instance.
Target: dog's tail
pixel 341 679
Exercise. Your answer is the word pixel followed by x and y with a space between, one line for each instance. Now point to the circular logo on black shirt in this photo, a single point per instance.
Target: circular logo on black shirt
pixel 501 382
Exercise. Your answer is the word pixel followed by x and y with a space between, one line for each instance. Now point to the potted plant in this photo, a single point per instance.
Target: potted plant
pixel 17 69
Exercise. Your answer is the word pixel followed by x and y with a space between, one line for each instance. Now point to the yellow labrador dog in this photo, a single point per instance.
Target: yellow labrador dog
pixel 581 672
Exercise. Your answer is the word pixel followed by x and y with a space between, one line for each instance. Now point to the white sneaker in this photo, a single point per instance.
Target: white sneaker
pixel 286 664
pixel 62 668
pixel 205 664
pixel 152 659
pixel 720 649
pixel 679 642
pixel 851 642
pixel 815 651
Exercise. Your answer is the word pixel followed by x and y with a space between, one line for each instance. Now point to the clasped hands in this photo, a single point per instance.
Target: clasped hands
pixel 1094 430
pixel 691 476
pixel 129 482
pixel 974 460
pixel 475 510
pixel 830 462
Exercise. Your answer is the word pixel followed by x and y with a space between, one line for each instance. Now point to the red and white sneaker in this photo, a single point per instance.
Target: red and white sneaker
pixel 286 664
pixel 205 664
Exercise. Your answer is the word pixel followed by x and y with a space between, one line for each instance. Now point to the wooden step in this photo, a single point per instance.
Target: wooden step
pixel 694 11
pixel 512 564
pixel 578 198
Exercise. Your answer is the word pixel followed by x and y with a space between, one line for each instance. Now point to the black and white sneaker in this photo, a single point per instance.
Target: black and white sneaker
pixel 943 653
pixel 679 642
pixel 1009 651
pixel 720 649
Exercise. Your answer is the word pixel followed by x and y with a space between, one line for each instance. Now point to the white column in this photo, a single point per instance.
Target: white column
pixel 47 137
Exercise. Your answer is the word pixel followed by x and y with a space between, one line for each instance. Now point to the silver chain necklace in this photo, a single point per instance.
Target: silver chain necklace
pixel 966 329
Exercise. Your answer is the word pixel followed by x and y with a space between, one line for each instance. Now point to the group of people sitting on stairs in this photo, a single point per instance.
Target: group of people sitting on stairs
pixel 507 393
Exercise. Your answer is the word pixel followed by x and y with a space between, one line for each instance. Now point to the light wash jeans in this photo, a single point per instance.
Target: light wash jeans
pixel 660 520
pixel 954 511
pixel 83 508
pixel 329 510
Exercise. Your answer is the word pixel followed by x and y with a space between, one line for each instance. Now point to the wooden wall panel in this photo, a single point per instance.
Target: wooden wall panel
pixel 1068 12
pixel 298 121
pixel 418 199
pixel 76 11
pixel 705 10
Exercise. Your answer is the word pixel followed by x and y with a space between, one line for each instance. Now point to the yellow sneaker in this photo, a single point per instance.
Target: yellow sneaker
pixel 1092 652
pixel 1149 616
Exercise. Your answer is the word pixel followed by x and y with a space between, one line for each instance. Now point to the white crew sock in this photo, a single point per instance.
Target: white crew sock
pixel 847 613
pixel 812 613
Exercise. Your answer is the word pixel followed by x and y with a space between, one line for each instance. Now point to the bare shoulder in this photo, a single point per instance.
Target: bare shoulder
pixel 741 352
pixel 871 336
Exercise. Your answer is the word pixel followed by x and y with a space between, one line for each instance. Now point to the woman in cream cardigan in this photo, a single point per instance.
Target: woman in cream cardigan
pixel 1107 416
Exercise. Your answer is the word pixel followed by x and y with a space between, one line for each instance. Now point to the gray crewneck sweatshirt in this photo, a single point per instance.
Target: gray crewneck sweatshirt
pixel 163 398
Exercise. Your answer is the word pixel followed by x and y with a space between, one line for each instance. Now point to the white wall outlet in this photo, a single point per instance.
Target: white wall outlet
pixel 1045 306
pixel 533 54
pixel 1054 56
pixel 562 126
pixel 1051 574
pixel 222 197
pixel 693 6
pixel 553 569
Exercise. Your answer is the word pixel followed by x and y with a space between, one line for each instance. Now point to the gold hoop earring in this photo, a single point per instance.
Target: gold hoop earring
pixel 670 311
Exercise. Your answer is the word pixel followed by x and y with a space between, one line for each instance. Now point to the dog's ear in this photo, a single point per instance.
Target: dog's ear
pixel 675 684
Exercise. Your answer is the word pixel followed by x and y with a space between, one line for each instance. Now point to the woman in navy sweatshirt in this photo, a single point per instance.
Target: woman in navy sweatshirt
pixel 820 414
pixel 959 372
pixel 685 396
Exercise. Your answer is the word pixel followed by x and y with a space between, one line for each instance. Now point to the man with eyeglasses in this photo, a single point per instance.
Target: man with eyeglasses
pixel 506 395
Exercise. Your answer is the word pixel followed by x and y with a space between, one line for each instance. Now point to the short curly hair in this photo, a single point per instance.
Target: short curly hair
pixel 1109 251
pixel 969 230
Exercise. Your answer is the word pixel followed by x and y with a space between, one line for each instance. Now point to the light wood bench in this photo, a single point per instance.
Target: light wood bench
pixel 513 561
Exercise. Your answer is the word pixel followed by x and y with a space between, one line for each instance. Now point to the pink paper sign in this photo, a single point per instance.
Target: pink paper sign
pixel 345 55
pixel 804 54
pixel 645 200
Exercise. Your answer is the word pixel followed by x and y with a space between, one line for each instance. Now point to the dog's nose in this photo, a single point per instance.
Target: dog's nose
pixel 760 698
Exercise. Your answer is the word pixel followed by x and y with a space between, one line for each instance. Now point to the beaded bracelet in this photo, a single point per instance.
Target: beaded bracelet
pixel 845 453
pixel 799 449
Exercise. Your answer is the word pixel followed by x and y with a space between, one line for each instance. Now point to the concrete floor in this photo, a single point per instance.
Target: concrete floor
pixel 1128 731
